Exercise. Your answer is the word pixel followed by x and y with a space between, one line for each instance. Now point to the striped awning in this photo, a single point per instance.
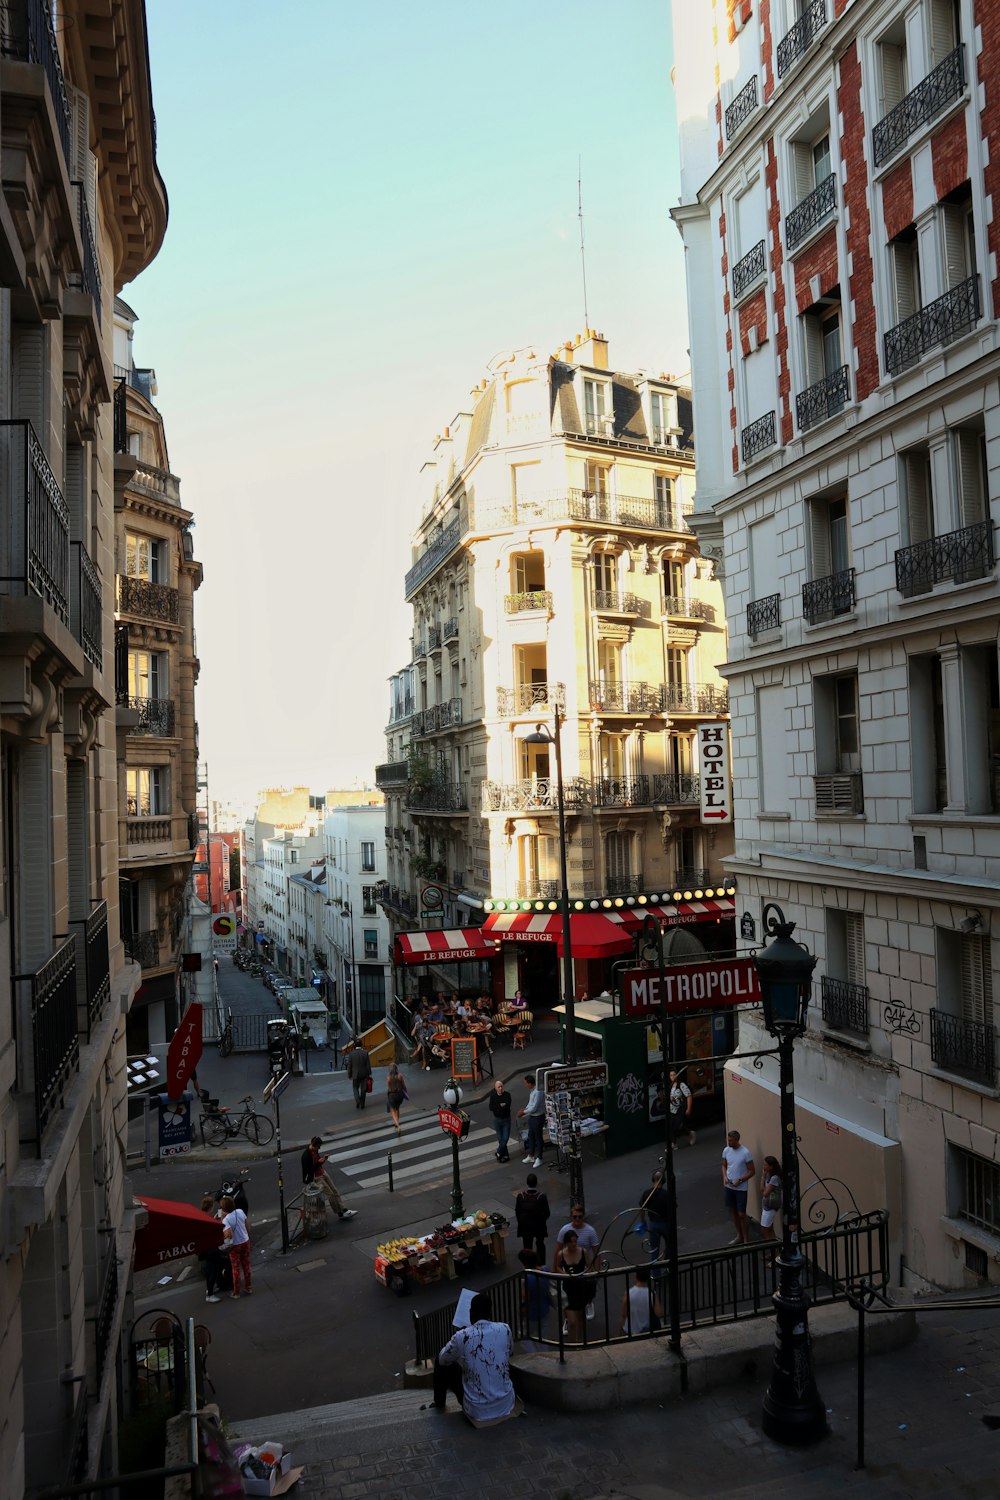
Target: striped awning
pixel 443 945
pixel 679 913
pixel 593 934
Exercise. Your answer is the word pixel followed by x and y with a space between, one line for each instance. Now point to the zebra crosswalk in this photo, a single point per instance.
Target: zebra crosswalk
pixel 421 1154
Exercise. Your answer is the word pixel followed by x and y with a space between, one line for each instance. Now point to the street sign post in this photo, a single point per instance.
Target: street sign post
pixel 272 1092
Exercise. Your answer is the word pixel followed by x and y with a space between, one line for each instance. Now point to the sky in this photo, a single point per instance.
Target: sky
pixel 368 202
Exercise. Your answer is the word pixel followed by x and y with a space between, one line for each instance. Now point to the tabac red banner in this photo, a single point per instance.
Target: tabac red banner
pixel 701 986
pixel 184 1052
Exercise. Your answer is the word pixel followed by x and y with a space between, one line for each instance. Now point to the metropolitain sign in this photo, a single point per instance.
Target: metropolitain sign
pixel 701 986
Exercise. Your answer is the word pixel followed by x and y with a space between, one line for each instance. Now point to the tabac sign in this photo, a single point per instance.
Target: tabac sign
pixel 713 753
pixel 702 986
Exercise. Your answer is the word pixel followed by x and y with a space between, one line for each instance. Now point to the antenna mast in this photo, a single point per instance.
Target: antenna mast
pixel 583 257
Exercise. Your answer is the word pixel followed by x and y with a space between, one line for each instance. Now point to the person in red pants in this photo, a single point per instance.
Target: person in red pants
pixel 236 1238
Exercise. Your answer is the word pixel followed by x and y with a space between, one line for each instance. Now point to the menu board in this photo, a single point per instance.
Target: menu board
pixel 463 1057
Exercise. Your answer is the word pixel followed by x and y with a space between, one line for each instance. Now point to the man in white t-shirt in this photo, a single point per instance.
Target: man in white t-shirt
pixel 586 1234
pixel 475 1364
pixel 737 1171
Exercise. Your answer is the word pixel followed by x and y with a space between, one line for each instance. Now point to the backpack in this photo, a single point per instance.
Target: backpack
pixel 308 1168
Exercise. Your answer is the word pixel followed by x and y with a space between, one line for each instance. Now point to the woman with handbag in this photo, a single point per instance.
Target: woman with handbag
pixel 770 1196
pixel 395 1093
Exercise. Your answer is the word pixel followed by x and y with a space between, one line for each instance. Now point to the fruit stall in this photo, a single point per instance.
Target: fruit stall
pixel 444 1253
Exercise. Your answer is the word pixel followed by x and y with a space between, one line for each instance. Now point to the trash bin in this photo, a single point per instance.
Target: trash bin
pixel 315 1224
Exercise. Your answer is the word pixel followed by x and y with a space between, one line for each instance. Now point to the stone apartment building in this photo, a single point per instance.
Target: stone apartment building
pixel 156 669
pixel 82 211
pixel 839 175
pixel 554 573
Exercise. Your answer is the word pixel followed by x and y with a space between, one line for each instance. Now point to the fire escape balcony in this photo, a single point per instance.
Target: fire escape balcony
pixel 526 697
pixel 147 601
pixel 35 542
pixel 957 557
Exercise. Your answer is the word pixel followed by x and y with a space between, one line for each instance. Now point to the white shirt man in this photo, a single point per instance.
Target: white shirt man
pixel 482 1380
pixel 737 1170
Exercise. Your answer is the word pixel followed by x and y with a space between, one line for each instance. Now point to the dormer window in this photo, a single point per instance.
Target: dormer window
pixel 662 417
pixel 598 412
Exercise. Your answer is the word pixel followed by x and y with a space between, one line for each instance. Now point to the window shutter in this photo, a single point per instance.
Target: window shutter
pixel 920 525
pixel 942 30
pixel 813 336
pixel 520 576
pixel 854 942
pixel 953 243
pixel 79 123
pixel 90 187
pixel 34 853
pixel 29 376
pixel 802 167
pixel 969 460
pixel 819 538
pixel 976 979
pixel 893 70
pixel 904 280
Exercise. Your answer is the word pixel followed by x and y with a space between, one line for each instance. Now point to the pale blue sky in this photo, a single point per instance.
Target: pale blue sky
pixel 367 202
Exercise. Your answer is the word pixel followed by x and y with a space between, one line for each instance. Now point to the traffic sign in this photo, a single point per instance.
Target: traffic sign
pixel 276 1086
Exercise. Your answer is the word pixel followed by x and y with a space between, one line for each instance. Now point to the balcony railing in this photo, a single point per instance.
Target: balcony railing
pixel 143 948
pixel 625 698
pixel 445 715
pixel 613 601
pixel 528 696
pixel 964 1047
pixel 845 1006
pixel 152 601
pixel 54 1032
pixel 537 890
pixel 823 399
pixel 823 598
pixel 90 281
pixel 676 789
pixel 160 484
pixel 30 37
pixel 519 604
pixel 121 661
pixel 750 269
pixel 451 629
pixel 623 885
pixel 433 637
pixel 95 967
pixel 694 698
pixel 688 609
pixel 392 773
pixel 957 557
pixel 763 615
pixel 621 791
pixel 419 647
pixel 692 878
pixel 533 793
pixel 932 95
pixel 35 546
pixel 742 108
pixel 121 416
pixel 942 320
pixel 147 828
pixel 758 437
pixel 814 210
pixel 88 607
pixel 582 505
pixel 440 545
pixel 156 715
pixel 841 793
pixel 445 796
pixel 391 896
pixel 799 38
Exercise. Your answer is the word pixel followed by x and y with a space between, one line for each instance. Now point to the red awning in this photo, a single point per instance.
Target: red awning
pixel 174 1231
pixel 680 913
pixel 443 945
pixel 593 934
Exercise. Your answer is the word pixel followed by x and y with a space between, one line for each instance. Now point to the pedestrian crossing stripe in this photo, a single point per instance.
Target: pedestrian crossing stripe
pixel 422 1149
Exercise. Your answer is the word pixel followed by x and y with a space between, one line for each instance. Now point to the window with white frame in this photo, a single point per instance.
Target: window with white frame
pixel 663 495
pixel 597 479
pixel 977 1184
pixel 605 572
pixel 663 412
pixel 845 946
pixel 367 855
pixel 943 29
pixel 146 791
pixel 892 71
pixel 822 340
pixel 144 557
pixel 965 975
pixel 598 410
pixel 147 674
pixel 812 163
pixel 835 705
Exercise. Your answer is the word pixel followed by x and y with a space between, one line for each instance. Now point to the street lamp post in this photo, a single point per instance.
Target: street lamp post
pixel 543 736
pixel 453 1097
pixel 793 1408
pixel 348 913
pixel 652 948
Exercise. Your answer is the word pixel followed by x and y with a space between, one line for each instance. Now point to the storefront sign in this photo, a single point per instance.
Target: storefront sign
pixel 463 1057
pixel 703 986
pixel 184 1051
pixel 223 932
pixel 577 1079
pixel 175 1127
pixel 713 751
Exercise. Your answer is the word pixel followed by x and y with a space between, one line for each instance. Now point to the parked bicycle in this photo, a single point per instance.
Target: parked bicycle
pixel 226 1036
pixel 221 1125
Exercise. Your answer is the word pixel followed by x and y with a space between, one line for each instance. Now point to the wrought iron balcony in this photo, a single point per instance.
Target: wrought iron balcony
pixel 419 647
pixel 392 773
pixel 613 601
pixel 450 629
pixel 625 698
pixel 692 879
pixel 55 1037
pixel 840 793
pixel 676 789
pixel 29 36
pixel 799 38
pixel 933 94
pixel 528 696
pixel 688 609
pixel 957 557
pixel 87 606
pixel 440 545
pixel 90 281
pixel 440 796
pixel 758 437
pixel 824 399
pixel 533 794
pixel 845 1006
pixel 156 715
pixel 433 637
pixel 121 416
pixel 142 948
pixel 95 967
pixel 823 598
pixel 694 698
pixel 622 791
pixel 623 885
pixel 105 1316
pixel 537 890
pixel 151 601
pixel 445 715
pixel 36 551
pixel 742 108
pixel 519 604
pixel 964 1047
pixel 944 319
pixel 814 210
pixel 763 615
pixel 749 270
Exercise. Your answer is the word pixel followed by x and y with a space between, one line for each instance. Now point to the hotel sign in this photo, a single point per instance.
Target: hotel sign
pixel 713 754
pixel 702 986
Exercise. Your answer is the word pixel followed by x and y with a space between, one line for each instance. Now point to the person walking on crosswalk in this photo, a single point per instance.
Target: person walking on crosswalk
pixel 359 1069
pixel 395 1093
